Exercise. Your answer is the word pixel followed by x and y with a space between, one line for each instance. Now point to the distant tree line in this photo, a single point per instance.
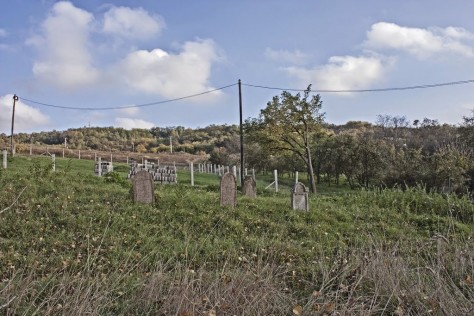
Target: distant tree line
pixel 154 140
pixel 290 135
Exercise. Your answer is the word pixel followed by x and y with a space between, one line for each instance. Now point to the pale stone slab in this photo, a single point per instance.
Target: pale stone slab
pixel 228 190
pixel 299 197
pixel 143 189
pixel 250 187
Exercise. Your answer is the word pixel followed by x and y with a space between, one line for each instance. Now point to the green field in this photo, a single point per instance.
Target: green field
pixel 73 243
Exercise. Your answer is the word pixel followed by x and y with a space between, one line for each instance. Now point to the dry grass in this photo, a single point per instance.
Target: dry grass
pixel 374 280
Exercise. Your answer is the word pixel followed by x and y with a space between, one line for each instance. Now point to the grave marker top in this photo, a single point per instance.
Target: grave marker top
pixel 250 187
pixel 228 190
pixel 299 197
pixel 143 190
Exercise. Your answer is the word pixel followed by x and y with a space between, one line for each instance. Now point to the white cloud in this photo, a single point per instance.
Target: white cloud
pixel 26 117
pixel 129 123
pixel 295 57
pixel 172 75
pixel 3 33
pixel 132 23
pixel 65 60
pixel 343 73
pixel 457 32
pixel 418 41
pixel 129 111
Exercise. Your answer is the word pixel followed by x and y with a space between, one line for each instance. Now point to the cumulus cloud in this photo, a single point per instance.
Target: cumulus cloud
pixel 26 117
pixel 63 44
pixel 343 73
pixel 172 75
pixel 417 41
pixel 130 123
pixel 129 111
pixel 295 57
pixel 132 23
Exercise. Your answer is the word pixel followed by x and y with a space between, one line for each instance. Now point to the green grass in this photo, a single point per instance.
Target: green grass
pixel 71 224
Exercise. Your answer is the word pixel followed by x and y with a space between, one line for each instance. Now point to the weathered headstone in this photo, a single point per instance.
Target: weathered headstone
pixel 299 197
pixel 228 190
pixel 250 187
pixel 143 190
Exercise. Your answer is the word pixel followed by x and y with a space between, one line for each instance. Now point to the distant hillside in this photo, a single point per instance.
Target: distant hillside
pixel 155 140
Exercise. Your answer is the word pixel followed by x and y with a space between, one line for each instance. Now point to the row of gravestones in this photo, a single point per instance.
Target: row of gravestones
pixel 143 190
pixel 164 175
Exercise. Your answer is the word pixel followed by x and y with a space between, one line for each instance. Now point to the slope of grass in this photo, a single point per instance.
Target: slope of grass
pixel 71 242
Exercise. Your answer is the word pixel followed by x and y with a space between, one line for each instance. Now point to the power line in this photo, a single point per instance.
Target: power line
pixel 425 86
pixel 127 106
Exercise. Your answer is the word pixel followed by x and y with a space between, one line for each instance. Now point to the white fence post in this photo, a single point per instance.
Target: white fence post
pixel 4 159
pixel 191 168
pixel 99 164
pixel 275 175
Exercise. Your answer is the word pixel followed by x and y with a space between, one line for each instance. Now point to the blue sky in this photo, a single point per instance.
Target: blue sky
pixel 123 53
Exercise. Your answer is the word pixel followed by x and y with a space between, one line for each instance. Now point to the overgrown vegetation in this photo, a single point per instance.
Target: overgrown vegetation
pixel 290 135
pixel 73 243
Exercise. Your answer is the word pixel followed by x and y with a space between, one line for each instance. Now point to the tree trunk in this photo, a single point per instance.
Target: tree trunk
pixel 312 185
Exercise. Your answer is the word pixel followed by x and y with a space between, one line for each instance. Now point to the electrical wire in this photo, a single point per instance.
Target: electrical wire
pixel 127 106
pixel 425 86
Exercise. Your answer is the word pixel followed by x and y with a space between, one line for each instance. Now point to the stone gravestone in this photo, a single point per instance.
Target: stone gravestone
pixel 299 197
pixel 228 190
pixel 143 190
pixel 250 187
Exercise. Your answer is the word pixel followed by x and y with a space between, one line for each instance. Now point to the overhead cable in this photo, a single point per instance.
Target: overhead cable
pixel 425 86
pixel 126 106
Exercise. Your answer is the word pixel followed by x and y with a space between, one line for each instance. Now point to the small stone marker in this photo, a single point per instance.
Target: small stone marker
pixel 299 197
pixel 250 187
pixel 143 190
pixel 228 190
pixel 53 160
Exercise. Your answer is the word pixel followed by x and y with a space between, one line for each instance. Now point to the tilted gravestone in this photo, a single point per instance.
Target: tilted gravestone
pixel 143 190
pixel 250 187
pixel 299 197
pixel 228 190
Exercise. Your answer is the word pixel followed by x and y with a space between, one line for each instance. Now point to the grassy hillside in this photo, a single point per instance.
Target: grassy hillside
pixel 73 243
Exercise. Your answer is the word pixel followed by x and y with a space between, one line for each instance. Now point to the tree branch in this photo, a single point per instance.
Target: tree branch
pixel 16 200
pixel 7 303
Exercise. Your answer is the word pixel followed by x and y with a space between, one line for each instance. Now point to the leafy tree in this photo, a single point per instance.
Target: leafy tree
pixel 467 130
pixel 289 123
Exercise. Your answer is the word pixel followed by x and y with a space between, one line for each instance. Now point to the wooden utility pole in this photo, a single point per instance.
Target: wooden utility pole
pixel 15 98
pixel 241 136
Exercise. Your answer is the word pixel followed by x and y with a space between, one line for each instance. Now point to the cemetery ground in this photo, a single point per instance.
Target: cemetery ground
pixel 73 243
